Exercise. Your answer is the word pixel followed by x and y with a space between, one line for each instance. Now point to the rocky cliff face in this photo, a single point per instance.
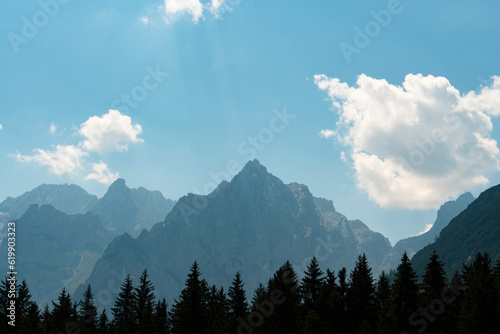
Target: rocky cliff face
pixel 252 224
pixel 131 210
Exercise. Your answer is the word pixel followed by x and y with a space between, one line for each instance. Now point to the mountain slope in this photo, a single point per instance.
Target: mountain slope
pixel 54 249
pixel 131 210
pixel 252 224
pixel 476 229
pixel 412 245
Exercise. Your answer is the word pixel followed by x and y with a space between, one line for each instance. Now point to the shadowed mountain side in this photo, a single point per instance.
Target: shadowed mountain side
pixel 412 245
pixel 476 229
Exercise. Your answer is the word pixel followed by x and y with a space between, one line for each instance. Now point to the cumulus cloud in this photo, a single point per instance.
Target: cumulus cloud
pixel 175 9
pixel 110 132
pixel 416 145
pixel 102 174
pixel 64 159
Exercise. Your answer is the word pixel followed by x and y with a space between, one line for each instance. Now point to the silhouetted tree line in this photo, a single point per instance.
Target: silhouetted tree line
pixel 319 303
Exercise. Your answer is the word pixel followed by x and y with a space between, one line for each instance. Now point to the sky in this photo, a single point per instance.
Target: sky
pixel 388 108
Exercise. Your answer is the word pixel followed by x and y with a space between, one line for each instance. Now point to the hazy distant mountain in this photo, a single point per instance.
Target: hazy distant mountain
pixel 476 229
pixel 131 210
pixel 54 249
pixel 68 198
pixel 412 245
pixel 252 224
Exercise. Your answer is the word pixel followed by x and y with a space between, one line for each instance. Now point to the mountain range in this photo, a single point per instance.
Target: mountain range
pixel 252 224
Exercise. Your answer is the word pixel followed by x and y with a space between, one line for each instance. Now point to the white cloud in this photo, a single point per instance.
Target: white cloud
pixel 111 132
pixel 144 20
pixel 217 7
pixel 327 133
pixel 177 8
pixel 1 127
pixel 102 174
pixel 416 145
pixel 52 128
pixel 65 159
pixel 174 9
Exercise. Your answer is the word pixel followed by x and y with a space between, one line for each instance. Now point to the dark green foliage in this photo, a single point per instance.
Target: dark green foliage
pixel 405 290
pixel 282 307
pixel 480 300
pixel 161 321
pixel 189 313
pixel 237 301
pixel 321 304
pixel 144 304
pixel 218 312
pixel 123 312
pixel 103 324
pixel 88 313
pixel 359 298
pixel 384 317
pixel 433 285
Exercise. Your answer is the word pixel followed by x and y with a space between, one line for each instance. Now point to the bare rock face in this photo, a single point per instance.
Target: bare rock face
pixel 131 210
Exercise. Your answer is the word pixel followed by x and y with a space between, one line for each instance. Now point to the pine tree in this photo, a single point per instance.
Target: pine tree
pixel 189 314
pixel 405 289
pixel 88 313
pixel 23 302
pixel 284 292
pixel 46 320
pixel 359 297
pixel 32 321
pixel 63 314
pixel 103 323
pixel 480 299
pixel 237 301
pixel 327 304
pixel 341 311
pixel 384 322
pixel 4 304
pixel 218 312
pixel 311 284
pixel 433 285
pixel 310 288
pixel 123 311
pixel 144 303
pixel 161 322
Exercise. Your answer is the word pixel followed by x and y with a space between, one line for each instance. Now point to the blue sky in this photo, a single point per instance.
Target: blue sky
pixel 204 78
